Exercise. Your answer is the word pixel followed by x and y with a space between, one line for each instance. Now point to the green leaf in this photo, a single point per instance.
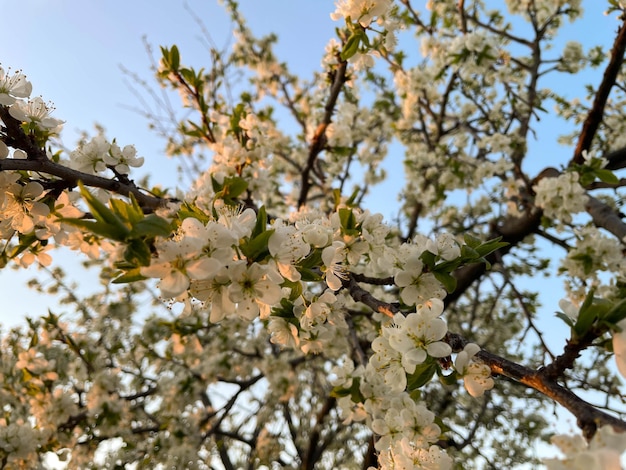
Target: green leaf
pixel 26 241
pixel 174 58
pixel 449 282
pixel 422 375
pixel 235 186
pixel 450 379
pixel 490 246
pixel 99 228
pixel 586 315
pixel 313 260
pixel 471 240
pixel 285 310
pixel 617 313
pixel 469 253
pixel 232 188
pixel 189 209
pixel 351 47
pixel 256 249
pixel 566 319
pixel 125 211
pixel 356 395
pixel 261 223
pixel 310 275
pixel 339 392
pixel 348 221
pixel 353 196
pixel 295 287
pixel 606 175
pixel 137 252
pixel 101 212
pixel 428 259
pixel 151 226
pixel 448 266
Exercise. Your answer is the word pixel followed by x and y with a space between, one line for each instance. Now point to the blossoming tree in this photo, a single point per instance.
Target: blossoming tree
pixel 264 318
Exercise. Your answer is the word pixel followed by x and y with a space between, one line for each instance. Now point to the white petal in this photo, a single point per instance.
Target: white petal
pixel 439 349
pixel 204 268
pixel 174 284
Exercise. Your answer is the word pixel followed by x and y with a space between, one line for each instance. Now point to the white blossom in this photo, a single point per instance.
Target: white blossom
pixel 12 87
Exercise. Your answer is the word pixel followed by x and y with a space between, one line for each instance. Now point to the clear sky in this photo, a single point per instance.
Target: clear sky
pixel 72 51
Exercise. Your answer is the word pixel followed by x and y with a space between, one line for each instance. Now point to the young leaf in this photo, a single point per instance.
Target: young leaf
pixel 261 223
pixel 447 280
pixel 471 240
pixel 151 226
pixel 256 248
pixel 137 252
pixel 422 375
pixel 99 228
pixel 617 313
pixel 351 47
pixel 586 316
pixel 102 213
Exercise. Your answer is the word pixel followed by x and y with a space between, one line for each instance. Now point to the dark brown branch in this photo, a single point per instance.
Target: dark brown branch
pixel 72 177
pixel 314 451
pixel 375 281
pixel 319 138
pixel 513 230
pixel 616 160
pixel 361 295
pixel 16 138
pixel 594 118
pixel 571 352
pixel 589 418
pixel 370 459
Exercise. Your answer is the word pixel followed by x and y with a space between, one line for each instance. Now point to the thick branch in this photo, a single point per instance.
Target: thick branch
pixel 314 451
pixel 72 177
pixel 616 160
pixel 361 295
pixel 15 136
pixel 605 216
pixel 589 417
pixel 513 230
pixel 594 118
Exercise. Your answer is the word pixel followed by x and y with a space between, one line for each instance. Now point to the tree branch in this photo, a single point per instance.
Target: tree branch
pixel 319 138
pixel 15 136
pixel 594 118
pixel 71 178
pixel 513 230
pixel 589 419
pixel 605 216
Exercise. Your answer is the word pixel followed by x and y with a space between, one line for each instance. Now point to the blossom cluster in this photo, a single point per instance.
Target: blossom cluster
pixel 34 113
pixel 560 196
pixel 96 155
pixel 405 429
pixel 603 451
